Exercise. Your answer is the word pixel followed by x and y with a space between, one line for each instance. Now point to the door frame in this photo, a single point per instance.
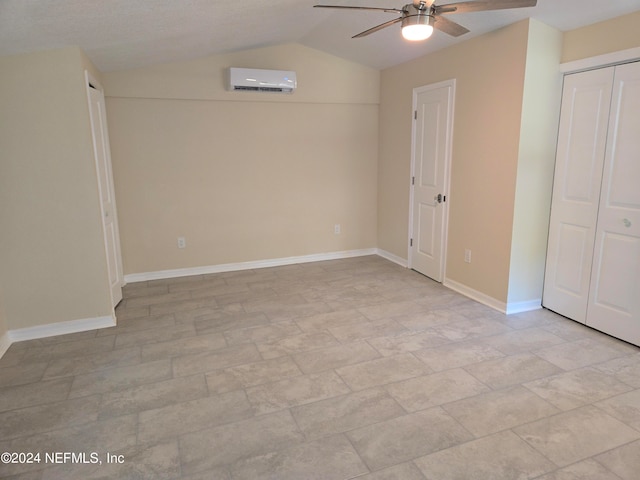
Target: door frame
pixel 92 82
pixel 447 168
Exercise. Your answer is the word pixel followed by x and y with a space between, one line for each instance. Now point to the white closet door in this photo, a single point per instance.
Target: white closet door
pixel 614 300
pixel 576 191
pixel 102 154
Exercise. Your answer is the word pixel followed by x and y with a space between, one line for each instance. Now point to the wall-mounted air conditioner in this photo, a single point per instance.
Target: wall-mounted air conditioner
pixel 258 80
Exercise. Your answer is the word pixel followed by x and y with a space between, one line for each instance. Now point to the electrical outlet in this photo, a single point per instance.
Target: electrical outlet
pixel 337 229
pixel 182 242
pixel 467 256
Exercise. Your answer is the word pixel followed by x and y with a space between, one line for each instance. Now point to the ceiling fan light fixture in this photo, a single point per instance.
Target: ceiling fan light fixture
pixel 417 27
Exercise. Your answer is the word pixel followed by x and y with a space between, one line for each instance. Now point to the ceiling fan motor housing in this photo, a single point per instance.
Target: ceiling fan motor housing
pixel 412 15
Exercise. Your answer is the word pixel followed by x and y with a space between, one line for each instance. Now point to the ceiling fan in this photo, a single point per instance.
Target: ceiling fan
pixel 422 16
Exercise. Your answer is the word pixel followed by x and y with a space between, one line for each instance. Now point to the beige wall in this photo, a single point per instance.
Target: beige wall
pixel 536 161
pixel 489 71
pixel 243 176
pixel 620 33
pixel 322 78
pixel 52 265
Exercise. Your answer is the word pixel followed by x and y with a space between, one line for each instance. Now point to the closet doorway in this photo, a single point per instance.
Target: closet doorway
pixel 102 153
pixel 593 257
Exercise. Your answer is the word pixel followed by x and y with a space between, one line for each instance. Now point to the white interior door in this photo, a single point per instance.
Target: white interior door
pixel 614 300
pixel 106 191
pixel 431 154
pixel 576 191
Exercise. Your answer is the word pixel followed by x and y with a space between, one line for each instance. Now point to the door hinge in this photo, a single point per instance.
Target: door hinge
pixel 415 114
pixel 413 180
pixel 411 242
pixel 444 198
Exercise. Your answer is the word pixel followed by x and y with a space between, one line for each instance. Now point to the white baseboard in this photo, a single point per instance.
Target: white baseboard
pixel 475 295
pixel 74 326
pixel 232 267
pixel 5 343
pixel 393 258
pixel 506 308
pixel 60 328
pixel 519 307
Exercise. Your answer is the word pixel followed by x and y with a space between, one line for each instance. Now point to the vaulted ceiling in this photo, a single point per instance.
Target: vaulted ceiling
pixel 123 34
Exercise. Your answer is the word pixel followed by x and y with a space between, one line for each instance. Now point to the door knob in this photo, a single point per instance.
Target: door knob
pixel 438 198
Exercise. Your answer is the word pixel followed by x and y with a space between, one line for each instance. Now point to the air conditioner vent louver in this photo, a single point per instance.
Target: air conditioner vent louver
pixel 259 89
pixel 258 80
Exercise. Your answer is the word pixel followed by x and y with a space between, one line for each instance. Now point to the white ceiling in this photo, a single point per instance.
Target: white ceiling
pixel 123 34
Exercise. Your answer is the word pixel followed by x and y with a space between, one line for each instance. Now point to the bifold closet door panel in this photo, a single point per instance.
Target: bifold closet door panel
pixel 614 299
pixel 576 191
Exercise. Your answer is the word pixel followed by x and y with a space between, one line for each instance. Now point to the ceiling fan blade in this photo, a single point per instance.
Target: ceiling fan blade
pixel 378 27
pixel 447 26
pixel 482 5
pixel 392 10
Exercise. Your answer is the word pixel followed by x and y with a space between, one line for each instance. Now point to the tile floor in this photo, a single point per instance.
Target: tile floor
pixel 343 369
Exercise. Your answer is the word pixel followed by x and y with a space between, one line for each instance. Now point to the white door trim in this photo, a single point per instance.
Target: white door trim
pixel 601 61
pixel 90 79
pixel 447 174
